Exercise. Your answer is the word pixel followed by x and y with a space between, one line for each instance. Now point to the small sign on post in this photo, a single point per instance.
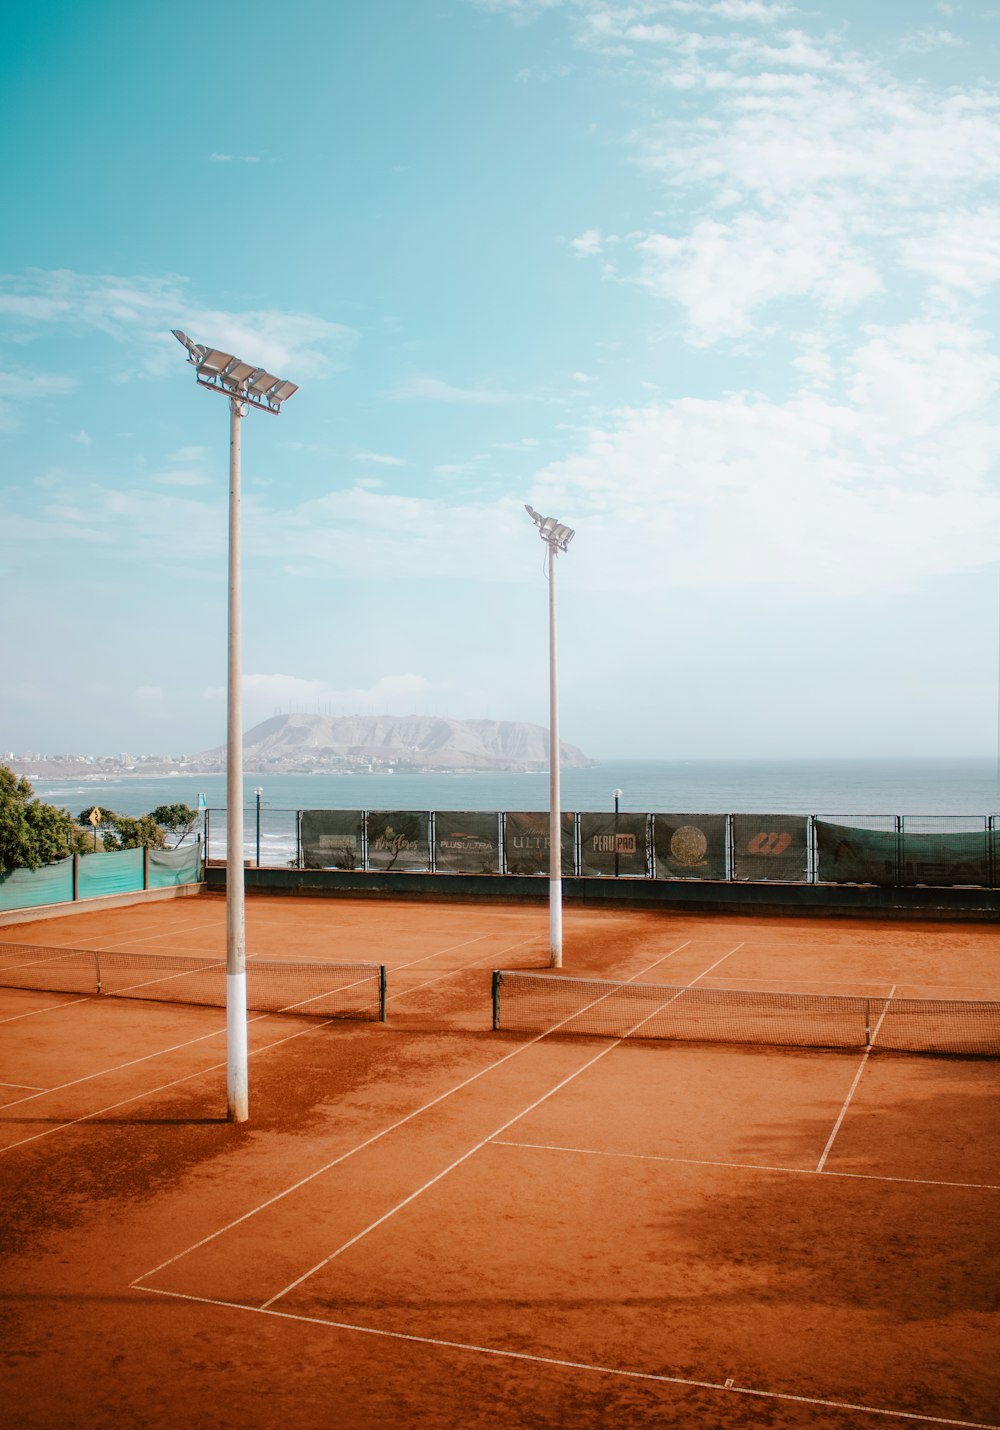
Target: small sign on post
pixel 95 818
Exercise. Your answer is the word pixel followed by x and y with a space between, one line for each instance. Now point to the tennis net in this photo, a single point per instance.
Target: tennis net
pixel 538 1002
pixel 325 990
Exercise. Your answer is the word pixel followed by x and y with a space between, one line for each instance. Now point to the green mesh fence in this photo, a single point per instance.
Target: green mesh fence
pixel 34 888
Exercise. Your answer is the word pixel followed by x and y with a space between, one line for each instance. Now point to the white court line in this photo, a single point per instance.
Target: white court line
pixel 369 1141
pixel 161 1087
pixel 379 1221
pixel 726 1386
pixel 24 1086
pixel 133 1062
pixel 853 1088
pixel 749 1166
pixel 51 1008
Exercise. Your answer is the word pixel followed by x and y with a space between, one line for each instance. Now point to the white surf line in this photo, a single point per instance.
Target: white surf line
pixel 368 1142
pixel 51 1008
pixel 432 1181
pixel 152 1091
pixel 747 1166
pixel 854 1085
pixel 727 1386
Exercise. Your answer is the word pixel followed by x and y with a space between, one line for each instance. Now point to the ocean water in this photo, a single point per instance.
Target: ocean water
pixel 828 788
pixel 823 787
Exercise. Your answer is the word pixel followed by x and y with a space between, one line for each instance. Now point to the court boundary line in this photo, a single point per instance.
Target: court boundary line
pixel 469 1152
pixel 748 1166
pixel 368 1142
pixel 726 1387
pixel 51 1008
pixel 150 1092
pixel 854 1085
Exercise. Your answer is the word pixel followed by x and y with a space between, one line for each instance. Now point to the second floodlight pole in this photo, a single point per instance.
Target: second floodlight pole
pixel 555 819
pixel 237 1075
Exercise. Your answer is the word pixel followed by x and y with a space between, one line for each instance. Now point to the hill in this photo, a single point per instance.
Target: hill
pixel 419 742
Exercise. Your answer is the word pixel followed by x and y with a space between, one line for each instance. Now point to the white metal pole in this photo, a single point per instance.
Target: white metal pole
pixel 555 822
pixel 237 1092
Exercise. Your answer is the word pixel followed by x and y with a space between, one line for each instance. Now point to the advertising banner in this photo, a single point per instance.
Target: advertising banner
pixel 398 839
pixel 526 843
pixel 770 847
pixel 847 855
pixel 332 838
pixel 690 846
pixel 466 842
pixel 613 844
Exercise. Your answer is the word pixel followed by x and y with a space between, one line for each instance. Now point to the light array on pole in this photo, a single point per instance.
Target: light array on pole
pixel 552 532
pixel 222 372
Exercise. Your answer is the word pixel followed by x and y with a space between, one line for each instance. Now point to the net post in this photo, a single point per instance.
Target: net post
pixel 97 969
pixel 868 1024
pixel 381 993
pixel 496 999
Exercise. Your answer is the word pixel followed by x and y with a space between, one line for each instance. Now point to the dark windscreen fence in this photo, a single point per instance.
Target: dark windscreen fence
pixel 848 854
pixel 398 839
pixel 945 851
pixel 333 838
pixel 770 847
pixel 690 846
pixel 466 842
pixel 614 845
pixel 936 856
pixel 526 843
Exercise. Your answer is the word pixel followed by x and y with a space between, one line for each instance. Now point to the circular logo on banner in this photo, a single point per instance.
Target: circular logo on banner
pixel 688 845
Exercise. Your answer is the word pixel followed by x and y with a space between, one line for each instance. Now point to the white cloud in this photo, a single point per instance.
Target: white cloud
pixel 959 250
pixel 923 41
pixel 267 695
pixel 147 695
pixel 83 437
pixel 873 491
pixel 19 387
pixel 380 459
pixel 433 389
pixel 722 273
pixel 588 243
pixel 141 311
pixel 234 158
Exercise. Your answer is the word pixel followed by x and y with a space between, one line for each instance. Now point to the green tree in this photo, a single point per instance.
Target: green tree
pixel 178 820
pixel 33 833
pixel 122 831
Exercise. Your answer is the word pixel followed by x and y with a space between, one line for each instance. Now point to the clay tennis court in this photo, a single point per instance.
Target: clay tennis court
pixel 426 1222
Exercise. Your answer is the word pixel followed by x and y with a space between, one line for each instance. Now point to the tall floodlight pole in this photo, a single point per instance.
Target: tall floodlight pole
pixel 246 386
pixel 557 538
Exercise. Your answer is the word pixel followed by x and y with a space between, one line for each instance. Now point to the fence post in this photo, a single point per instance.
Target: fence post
pixel 76 878
pixel 145 867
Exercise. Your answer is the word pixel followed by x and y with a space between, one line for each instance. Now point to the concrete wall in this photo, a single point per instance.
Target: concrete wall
pixel 666 895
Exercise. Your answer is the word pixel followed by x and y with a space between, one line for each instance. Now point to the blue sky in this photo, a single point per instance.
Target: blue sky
pixel 713 281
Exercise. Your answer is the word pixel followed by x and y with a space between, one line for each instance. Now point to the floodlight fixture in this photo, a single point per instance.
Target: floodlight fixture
pixel 552 532
pixel 224 372
pixel 246 385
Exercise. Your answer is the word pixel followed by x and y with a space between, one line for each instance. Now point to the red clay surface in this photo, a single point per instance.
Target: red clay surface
pixel 427 1223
